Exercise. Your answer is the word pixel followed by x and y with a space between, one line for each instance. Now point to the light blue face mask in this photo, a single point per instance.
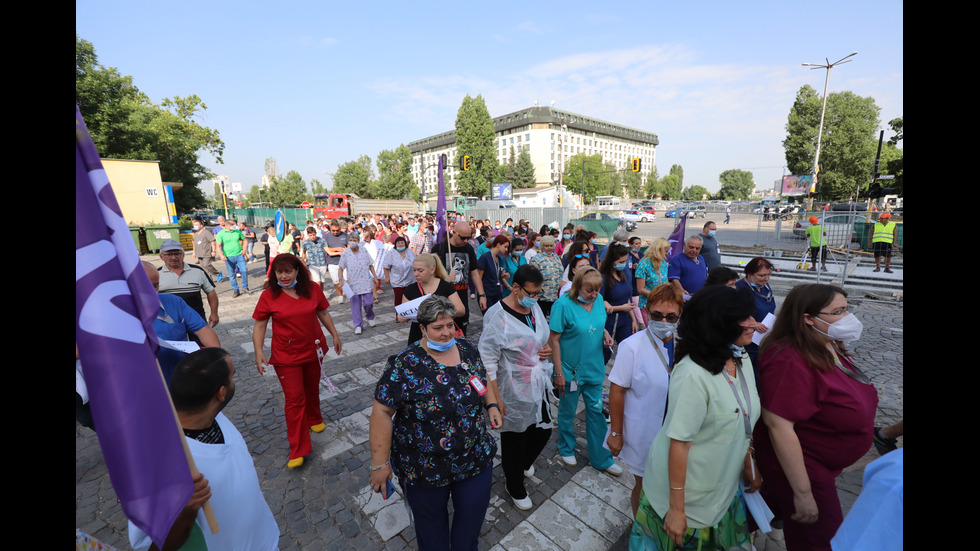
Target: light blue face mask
pixel 528 302
pixel 441 346
pixel 400 249
pixel 295 281
pixel 584 300
pixel 621 267
pixel 711 233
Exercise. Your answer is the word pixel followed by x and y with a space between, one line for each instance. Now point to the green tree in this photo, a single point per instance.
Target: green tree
pixel 653 187
pixel 848 146
pixel 475 137
pixel 288 190
pixel 678 171
pixel 395 175
pixel 736 184
pixel 695 193
pixel 633 184
pixel 595 184
pixel 509 168
pixel 611 179
pixel 125 124
pixel 670 186
pixel 354 177
pixel 524 177
pixel 255 195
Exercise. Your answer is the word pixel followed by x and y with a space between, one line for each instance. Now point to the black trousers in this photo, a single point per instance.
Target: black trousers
pixel 518 450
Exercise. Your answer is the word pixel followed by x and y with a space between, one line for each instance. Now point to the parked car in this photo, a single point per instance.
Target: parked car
pixel 689 210
pixel 838 227
pixel 638 216
pixel 630 226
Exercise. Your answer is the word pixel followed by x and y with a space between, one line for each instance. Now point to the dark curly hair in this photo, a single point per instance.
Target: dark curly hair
pixel 710 325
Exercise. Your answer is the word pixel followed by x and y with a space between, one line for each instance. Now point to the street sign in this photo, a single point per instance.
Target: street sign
pixel 501 191
pixel 886 177
pixel 280 226
pixel 306 204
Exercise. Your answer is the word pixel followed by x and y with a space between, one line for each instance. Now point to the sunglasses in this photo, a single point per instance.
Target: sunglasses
pixel 657 316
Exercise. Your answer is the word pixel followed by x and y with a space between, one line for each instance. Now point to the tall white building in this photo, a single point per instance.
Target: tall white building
pixel 551 136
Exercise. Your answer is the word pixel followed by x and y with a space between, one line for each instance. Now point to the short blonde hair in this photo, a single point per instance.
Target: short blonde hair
pixel 584 278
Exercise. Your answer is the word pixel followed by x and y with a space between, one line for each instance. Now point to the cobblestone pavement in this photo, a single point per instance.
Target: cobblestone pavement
pixel 326 504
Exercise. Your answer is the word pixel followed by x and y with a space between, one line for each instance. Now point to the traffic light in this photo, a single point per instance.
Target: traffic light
pixel 465 162
pixel 636 164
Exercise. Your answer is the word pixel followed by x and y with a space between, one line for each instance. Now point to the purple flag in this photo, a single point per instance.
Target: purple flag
pixel 115 306
pixel 441 205
pixel 677 237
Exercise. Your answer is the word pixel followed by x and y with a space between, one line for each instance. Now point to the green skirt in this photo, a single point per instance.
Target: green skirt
pixel 731 532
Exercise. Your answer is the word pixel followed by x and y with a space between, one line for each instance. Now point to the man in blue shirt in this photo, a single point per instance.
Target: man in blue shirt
pixel 688 271
pixel 174 320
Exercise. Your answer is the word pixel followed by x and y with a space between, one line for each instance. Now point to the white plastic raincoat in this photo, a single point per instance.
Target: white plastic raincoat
pixel 509 350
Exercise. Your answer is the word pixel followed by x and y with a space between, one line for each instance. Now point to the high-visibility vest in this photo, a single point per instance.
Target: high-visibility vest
pixel 884 233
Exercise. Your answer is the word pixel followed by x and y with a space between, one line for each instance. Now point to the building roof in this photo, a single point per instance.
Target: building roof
pixel 545 115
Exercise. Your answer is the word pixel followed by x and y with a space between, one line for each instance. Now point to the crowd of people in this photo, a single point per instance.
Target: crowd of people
pixel 690 380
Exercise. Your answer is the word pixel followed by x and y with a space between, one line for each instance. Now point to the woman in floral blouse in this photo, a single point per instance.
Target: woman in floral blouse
pixel 429 427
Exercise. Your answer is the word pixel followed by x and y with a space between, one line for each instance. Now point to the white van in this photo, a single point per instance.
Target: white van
pixel 495 205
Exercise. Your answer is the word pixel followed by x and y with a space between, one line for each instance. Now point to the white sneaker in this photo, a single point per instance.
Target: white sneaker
pixel 372 323
pixel 529 472
pixel 357 330
pixel 340 299
pixel 569 460
pixel 614 469
pixel 522 504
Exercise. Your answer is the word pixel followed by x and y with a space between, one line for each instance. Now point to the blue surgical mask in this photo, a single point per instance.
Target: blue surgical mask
pixel 441 346
pixel 566 237
pixel 295 281
pixel 528 302
pixel 584 300
pixel 400 249
pixel 516 254
pixel 621 267
pixel 711 233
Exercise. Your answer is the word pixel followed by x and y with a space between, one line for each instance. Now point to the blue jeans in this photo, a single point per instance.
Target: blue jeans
pixel 430 509
pixel 237 262
pixel 595 424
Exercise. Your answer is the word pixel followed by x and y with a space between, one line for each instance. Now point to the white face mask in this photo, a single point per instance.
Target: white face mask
pixel 848 328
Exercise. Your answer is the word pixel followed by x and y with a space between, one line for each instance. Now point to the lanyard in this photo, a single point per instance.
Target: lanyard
pixel 747 407
pixel 855 374
pixel 656 347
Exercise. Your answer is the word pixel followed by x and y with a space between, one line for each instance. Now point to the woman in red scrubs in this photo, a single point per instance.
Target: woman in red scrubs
pixel 297 307
pixel 818 412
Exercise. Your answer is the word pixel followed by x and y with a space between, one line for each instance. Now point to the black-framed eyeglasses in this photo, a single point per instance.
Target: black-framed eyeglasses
pixel 657 316
pixel 174 253
pixel 530 294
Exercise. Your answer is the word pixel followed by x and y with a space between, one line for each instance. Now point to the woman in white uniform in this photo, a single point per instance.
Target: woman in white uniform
pixel 515 351
pixel 638 385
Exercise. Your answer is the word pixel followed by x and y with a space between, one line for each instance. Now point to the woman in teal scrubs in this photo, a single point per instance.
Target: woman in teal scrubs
pixel 578 333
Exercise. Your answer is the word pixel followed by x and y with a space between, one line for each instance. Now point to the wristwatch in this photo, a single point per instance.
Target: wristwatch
pixel 480 296
pixel 493 405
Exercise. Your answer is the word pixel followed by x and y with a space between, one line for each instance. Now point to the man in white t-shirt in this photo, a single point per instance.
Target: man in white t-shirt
pixel 201 386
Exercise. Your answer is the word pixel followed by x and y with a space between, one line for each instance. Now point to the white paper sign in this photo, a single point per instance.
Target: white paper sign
pixel 348 292
pixel 184 346
pixel 768 321
pixel 410 309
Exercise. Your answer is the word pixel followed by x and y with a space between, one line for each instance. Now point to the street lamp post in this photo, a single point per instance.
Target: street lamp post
pixel 828 66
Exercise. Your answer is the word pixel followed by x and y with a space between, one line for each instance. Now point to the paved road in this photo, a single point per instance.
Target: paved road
pixel 326 504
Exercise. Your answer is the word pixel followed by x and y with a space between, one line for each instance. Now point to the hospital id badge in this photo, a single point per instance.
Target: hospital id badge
pixel 572 386
pixel 477 385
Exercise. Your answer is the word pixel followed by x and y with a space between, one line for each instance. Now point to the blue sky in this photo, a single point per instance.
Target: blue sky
pixel 317 84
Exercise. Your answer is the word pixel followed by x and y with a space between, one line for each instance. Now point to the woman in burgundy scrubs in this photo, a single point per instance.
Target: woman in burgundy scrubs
pixel 818 412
